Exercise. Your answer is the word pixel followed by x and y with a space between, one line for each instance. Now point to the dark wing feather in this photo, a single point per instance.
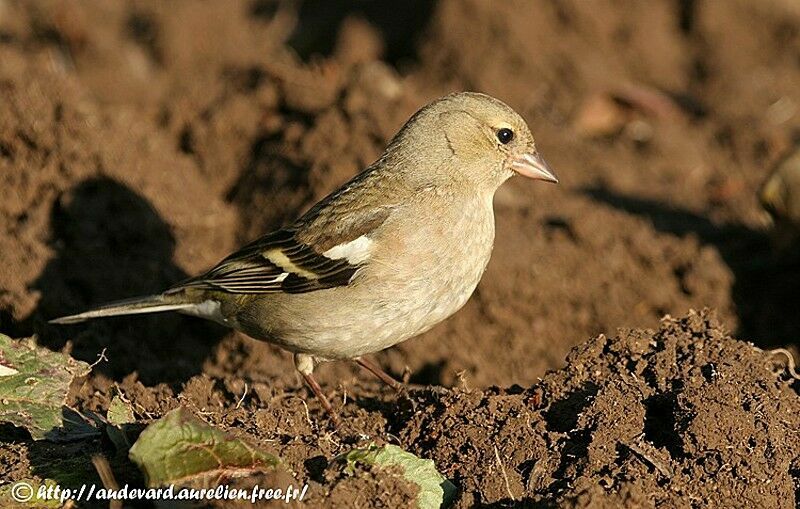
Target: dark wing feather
pixel 292 260
pixel 278 262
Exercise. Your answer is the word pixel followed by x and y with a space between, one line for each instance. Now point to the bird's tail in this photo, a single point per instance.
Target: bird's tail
pixel 135 306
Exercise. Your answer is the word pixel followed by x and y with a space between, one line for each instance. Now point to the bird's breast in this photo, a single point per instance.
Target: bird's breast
pixel 428 268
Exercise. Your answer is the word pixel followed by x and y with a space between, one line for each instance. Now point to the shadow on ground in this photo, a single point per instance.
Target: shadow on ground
pixel 400 24
pixel 111 244
pixel 765 290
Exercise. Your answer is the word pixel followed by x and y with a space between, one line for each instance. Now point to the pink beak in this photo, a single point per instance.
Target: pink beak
pixel 534 167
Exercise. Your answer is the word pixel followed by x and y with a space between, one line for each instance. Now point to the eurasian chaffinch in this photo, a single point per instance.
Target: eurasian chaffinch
pixel 393 252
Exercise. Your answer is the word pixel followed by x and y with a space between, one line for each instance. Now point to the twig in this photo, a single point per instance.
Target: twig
pixel 393 437
pixel 659 465
pixel 790 365
pixel 328 436
pixel 505 475
pixel 100 357
pixel 241 400
pixel 107 477
pixel 462 379
pixel 308 414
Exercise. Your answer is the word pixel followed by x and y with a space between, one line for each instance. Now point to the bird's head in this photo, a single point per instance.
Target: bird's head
pixel 467 140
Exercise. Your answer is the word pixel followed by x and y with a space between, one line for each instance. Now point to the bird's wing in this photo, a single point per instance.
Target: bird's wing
pixel 292 261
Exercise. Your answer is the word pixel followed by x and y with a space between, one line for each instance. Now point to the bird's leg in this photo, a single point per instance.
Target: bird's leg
pixel 377 371
pixel 305 366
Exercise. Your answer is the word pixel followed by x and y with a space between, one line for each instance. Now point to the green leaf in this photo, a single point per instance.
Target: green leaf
pixel 119 417
pixel 33 385
pixel 120 412
pixel 181 449
pixel 435 490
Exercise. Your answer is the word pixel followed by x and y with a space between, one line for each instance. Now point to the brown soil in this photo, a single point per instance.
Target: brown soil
pixel 142 142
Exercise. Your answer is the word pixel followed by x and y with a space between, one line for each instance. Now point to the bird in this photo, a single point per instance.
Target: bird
pixel 780 197
pixel 393 252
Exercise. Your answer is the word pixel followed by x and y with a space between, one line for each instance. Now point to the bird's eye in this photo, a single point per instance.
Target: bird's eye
pixel 505 135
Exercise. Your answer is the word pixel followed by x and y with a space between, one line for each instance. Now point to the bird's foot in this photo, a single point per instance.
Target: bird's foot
pixel 305 366
pixel 380 373
pixel 323 400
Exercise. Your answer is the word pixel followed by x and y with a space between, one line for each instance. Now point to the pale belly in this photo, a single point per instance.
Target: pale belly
pixel 407 289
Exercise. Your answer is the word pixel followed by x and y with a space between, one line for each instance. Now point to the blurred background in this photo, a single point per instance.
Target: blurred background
pixel 142 141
